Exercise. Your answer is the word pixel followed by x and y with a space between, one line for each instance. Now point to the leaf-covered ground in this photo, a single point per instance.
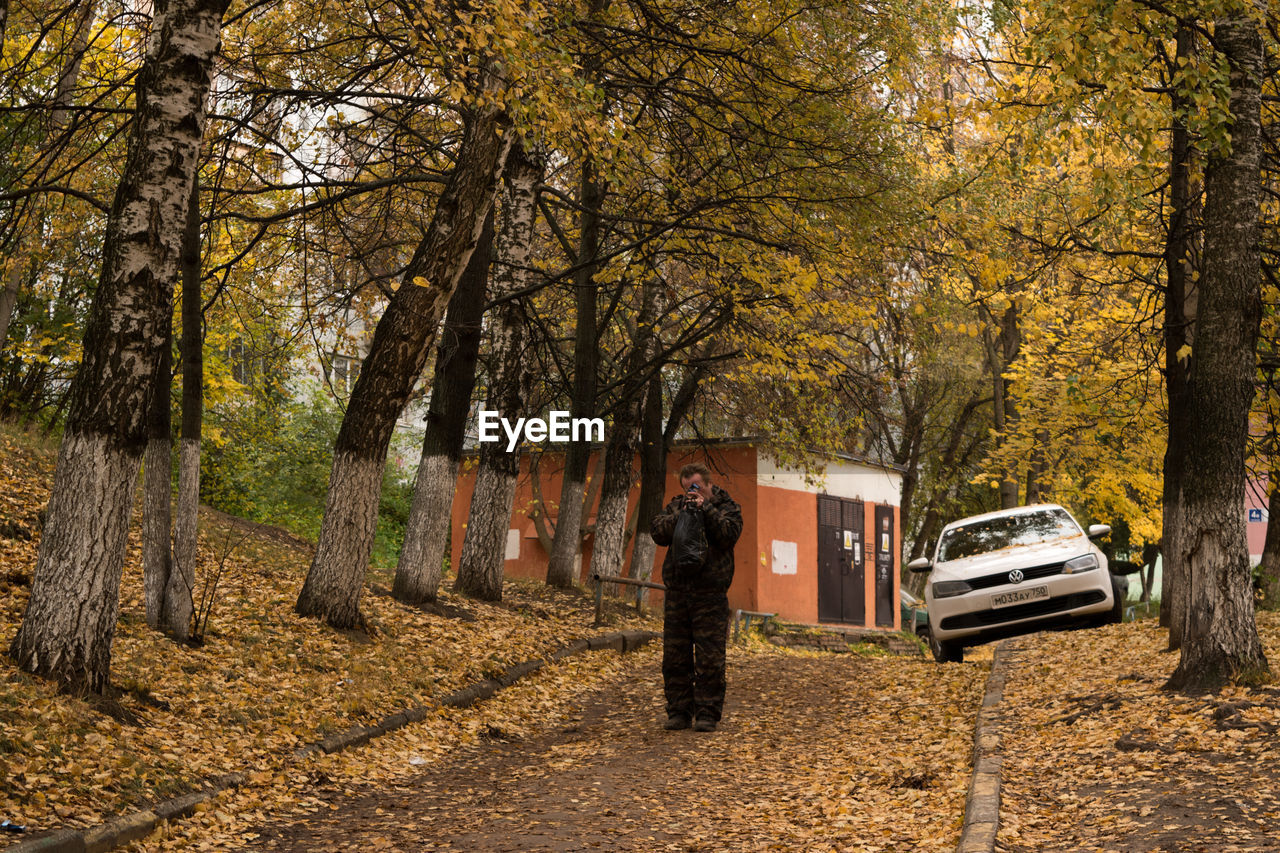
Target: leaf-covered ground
pixel 816 752
pixel 1097 756
pixel 264 682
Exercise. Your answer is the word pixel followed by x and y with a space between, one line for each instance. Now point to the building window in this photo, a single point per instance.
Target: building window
pixel 343 371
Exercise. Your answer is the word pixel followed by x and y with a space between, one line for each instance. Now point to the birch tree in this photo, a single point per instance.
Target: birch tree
pixel 69 623
pixel 609 549
pixel 426 536
pixel 483 548
pixel 397 355
pixel 178 605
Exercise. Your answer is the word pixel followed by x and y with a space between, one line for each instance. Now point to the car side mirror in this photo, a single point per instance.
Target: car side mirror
pixel 919 565
pixel 1098 531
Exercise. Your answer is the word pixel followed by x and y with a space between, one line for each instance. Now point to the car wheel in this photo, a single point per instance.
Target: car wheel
pixel 1116 616
pixel 945 651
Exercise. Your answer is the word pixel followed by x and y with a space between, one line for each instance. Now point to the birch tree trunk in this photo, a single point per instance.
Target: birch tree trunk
pixel 562 565
pixel 619 474
pixel 69 623
pixel 397 355
pixel 1178 333
pixel 426 536
pixel 178 603
pixel 157 489
pixel 610 547
pixel 1221 644
pixel 484 546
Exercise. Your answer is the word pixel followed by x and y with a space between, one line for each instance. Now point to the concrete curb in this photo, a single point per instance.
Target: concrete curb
pixel 139 824
pixel 982 804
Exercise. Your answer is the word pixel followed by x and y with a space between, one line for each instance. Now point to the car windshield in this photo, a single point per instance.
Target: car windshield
pixel 993 534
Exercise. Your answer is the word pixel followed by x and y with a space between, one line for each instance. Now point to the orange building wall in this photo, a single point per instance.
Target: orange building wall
pixel 733 469
pixel 792 517
pixel 768 513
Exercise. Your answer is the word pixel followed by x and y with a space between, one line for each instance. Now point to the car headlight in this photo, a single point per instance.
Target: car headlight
pixel 946 589
pixel 1080 564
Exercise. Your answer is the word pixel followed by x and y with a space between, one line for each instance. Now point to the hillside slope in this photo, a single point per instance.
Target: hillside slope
pixel 264 682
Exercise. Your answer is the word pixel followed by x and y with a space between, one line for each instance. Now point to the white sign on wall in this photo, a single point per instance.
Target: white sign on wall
pixel 513 544
pixel 785 557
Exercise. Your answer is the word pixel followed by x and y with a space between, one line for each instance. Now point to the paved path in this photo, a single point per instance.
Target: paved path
pixel 815 753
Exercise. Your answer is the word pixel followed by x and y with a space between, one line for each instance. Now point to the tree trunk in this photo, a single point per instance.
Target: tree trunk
pixel 950 462
pixel 1220 644
pixel 1001 351
pixel 484 547
pixel 619 474
pixel 9 300
pixel 157 490
pixel 178 602
pixel 908 451
pixel 69 76
pixel 1036 469
pixel 1178 333
pixel 69 623
pixel 562 565
pixel 609 550
pixel 426 535
pixel 653 481
pixel 397 354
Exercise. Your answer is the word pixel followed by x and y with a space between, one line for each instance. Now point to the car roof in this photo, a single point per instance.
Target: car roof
pixel 1004 513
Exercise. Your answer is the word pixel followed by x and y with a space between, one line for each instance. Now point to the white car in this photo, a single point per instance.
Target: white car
pixel 1014 572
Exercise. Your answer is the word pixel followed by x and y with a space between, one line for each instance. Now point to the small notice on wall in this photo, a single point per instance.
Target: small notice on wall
pixel 513 544
pixel 785 558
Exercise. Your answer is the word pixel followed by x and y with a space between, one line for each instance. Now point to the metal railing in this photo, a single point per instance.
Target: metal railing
pixel 601 580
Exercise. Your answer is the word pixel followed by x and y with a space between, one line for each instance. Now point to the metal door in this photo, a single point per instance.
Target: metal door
pixel 854 575
pixel 830 585
pixel 841 580
pixel 884 566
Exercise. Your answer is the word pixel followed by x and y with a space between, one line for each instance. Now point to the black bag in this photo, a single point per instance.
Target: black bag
pixel 689 541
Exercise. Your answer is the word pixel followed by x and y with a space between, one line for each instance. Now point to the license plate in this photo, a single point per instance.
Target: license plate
pixel 1018 596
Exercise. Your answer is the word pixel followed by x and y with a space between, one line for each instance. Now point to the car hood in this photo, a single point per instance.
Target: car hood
pixel 1018 557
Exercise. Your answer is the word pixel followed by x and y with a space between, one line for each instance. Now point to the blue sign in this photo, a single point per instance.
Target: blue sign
pixel 1255 514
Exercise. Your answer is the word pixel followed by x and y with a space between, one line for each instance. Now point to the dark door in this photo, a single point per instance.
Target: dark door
pixel 841 593
pixel 884 566
pixel 830 593
pixel 854 575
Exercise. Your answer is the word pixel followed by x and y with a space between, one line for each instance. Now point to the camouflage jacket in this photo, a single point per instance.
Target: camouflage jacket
pixel 723 519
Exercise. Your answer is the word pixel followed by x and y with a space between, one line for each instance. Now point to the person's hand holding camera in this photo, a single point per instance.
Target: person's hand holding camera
pixel 694 497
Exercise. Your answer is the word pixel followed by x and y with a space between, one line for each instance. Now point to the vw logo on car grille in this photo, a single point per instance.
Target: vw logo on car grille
pixel 1015 576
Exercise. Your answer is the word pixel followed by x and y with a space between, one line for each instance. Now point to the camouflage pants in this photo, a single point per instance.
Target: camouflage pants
pixel 694 630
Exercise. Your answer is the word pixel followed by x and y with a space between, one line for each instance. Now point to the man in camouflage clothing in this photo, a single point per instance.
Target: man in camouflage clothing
pixel 696 611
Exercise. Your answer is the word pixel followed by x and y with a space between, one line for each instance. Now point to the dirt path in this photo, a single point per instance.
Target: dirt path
pixel 826 752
